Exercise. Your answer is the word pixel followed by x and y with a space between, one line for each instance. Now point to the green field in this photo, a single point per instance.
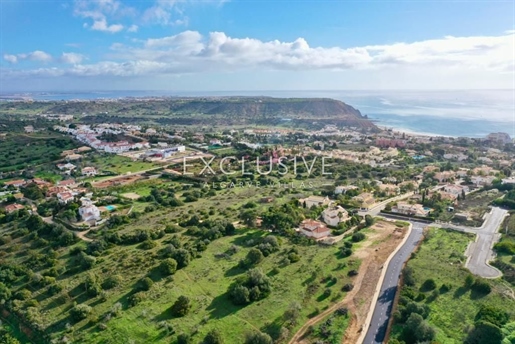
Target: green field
pixel 205 281
pixel 18 151
pixel 118 164
pixel 452 313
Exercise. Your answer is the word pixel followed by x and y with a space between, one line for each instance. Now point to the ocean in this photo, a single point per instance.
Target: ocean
pixel 470 113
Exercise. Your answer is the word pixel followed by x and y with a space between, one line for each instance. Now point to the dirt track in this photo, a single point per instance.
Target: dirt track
pixel 373 254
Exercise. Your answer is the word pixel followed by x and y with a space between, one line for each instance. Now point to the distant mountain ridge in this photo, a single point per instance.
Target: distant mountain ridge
pixel 231 110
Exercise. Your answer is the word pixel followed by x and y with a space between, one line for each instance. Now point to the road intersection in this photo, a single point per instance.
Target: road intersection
pixel 479 253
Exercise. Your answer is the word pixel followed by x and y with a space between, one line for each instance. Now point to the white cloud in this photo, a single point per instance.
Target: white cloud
pixel 101 25
pixel 72 58
pixel 190 52
pixel 133 28
pixel 99 10
pixel 10 58
pixel 36 55
pixel 166 12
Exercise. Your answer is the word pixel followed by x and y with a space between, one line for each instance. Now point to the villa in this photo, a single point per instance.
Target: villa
pixel 314 229
pixel 89 171
pixel 342 189
pixel 317 201
pixel 88 211
pixel 410 209
pixel 13 207
pixel 366 201
pixel 333 215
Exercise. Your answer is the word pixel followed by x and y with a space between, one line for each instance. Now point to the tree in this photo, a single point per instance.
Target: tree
pixel 240 295
pixel 254 257
pixel 8 339
pixel 469 280
pixel 492 315
pixel 183 338
pixel 291 315
pixel 80 312
pixel 181 307
pixel 256 337
pixel 146 283
pixel 428 284
pixel 168 266
pixel 5 293
pixel 182 256
pixel 369 220
pixel 213 337
pixel 418 330
pixel 356 237
pixel 481 286
pixel 112 281
pixel 407 274
pixel 484 333
pixel 248 217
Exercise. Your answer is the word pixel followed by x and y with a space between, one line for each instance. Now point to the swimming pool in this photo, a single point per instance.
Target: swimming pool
pixel 110 207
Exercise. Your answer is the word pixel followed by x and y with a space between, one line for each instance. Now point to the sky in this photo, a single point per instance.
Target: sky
pixel 231 45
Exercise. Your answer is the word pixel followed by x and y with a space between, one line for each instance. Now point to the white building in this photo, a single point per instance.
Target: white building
pixel 499 138
pixel 410 209
pixel 65 197
pixel 88 211
pixel 333 215
pixel 342 189
pixel 456 190
pixel 312 201
pixel 89 171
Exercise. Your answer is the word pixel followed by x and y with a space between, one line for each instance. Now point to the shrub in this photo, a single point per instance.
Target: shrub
pixel 256 337
pixel 23 294
pixel 86 262
pixel 183 338
pixel 213 337
pixel 181 307
pixel 342 311
pixel 347 287
pixel 5 292
pixel 445 288
pixel 80 312
pixel 356 237
pixel 352 273
pixel 112 282
pixel 345 251
pixel 254 257
pixel 293 257
pixel 492 315
pixel 428 284
pixel 469 280
pixel 168 266
pixel 481 286
pixel 146 283
pixel 136 298
pixel 148 244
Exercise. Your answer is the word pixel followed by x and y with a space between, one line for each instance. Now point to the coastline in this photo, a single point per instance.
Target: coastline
pixel 412 132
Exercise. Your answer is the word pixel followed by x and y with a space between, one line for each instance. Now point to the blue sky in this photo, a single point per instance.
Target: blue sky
pixel 255 45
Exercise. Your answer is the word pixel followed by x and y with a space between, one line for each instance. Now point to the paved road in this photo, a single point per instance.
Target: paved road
pixel 480 252
pixel 377 329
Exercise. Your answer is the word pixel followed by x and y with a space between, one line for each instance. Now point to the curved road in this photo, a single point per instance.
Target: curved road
pixel 480 251
pixel 383 309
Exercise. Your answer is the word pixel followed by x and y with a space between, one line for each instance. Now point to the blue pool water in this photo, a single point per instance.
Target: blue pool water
pixel 110 207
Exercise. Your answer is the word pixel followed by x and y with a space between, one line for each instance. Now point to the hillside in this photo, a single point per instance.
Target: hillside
pixel 231 110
